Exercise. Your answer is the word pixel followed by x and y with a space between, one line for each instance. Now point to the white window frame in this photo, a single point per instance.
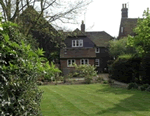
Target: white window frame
pixel 71 63
pixel 121 29
pixel 97 50
pixel 84 61
pixel 79 42
pixel 97 62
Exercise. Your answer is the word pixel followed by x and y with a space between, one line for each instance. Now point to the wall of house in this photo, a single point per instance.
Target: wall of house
pixel 104 57
pixel 86 41
pixel 65 70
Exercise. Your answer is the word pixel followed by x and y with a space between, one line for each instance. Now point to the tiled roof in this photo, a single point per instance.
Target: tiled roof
pixel 101 38
pixel 78 53
pixel 128 25
pixel 76 32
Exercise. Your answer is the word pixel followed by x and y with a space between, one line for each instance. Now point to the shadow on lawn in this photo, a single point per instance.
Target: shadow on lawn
pixel 138 101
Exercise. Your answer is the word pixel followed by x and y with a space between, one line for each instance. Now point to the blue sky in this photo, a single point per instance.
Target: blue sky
pixel 105 15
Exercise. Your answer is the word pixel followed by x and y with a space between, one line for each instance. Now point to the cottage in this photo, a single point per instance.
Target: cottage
pixel 85 48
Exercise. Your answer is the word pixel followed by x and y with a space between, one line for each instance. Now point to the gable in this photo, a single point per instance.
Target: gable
pixel 87 43
pixel 126 27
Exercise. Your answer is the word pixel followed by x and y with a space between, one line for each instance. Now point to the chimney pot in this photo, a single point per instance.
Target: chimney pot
pixel 83 26
pixel 125 5
pixel 122 5
pixel 124 11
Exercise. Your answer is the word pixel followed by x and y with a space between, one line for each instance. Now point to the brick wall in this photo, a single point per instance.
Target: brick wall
pixel 66 70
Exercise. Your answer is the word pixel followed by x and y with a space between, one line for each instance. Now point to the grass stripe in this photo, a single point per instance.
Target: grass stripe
pixel 65 107
pixel 111 101
pixel 47 105
pixel 81 102
pixel 94 100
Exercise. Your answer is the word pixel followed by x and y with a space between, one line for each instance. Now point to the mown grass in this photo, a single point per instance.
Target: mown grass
pixel 93 100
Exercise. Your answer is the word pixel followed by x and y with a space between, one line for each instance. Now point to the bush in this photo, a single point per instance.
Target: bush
pixel 86 71
pixel 88 80
pixel 99 79
pixel 39 83
pixel 144 87
pixel 20 68
pixel 110 81
pixel 125 69
pixel 145 64
pixel 148 89
pixel 105 82
pixel 132 86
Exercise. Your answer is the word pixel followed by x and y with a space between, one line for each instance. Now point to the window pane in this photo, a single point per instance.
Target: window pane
pixel 73 62
pixel 97 50
pixel 81 43
pixel 121 29
pixel 77 43
pixel 86 62
pixel 69 62
pixel 97 62
pixel 73 43
pixel 82 61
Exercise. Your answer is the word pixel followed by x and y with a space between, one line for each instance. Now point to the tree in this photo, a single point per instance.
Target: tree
pixel 64 11
pixel 141 41
pixel 38 24
pixel 119 47
pixel 20 68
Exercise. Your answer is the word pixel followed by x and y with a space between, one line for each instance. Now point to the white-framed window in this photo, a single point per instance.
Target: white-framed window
pixel 70 62
pixel 84 61
pixel 77 43
pixel 97 62
pixel 97 50
pixel 121 29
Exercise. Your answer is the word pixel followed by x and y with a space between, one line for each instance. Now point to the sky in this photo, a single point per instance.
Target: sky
pixel 105 15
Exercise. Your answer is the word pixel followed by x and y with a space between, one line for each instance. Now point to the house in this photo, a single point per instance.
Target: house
pixel 127 24
pixel 85 48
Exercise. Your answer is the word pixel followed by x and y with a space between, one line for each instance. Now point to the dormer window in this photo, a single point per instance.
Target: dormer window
pixel 97 50
pixel 77 43
pixel 121 29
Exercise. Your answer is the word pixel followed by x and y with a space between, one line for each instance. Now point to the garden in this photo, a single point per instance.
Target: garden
pixel 93 100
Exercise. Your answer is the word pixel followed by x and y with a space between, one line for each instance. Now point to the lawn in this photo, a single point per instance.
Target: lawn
pixel 93 100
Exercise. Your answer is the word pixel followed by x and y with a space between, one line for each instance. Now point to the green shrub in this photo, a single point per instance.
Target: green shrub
pixel 105 82
pixel 88 80
pixel 86 71
pixel 148 89
pixel 110 81
pixel 132 86
pixel 99 79
pixel 145 65
pixel 144 87
pixel 39 83
pixel 20 68
pixel 125 70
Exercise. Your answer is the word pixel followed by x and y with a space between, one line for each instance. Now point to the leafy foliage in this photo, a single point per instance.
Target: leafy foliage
pixel 119 47
pixel 132 86
pixel 20 68
pixel 86 71
pixel 144 87
pixel 125 69
pixel 141 41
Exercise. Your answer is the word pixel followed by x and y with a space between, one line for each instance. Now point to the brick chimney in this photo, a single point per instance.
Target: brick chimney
pixel 82 26
pixel 124 11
